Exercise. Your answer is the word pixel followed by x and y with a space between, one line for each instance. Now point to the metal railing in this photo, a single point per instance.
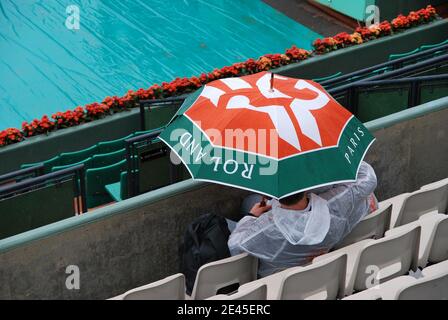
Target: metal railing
pixel 77 173
pixel 351 92
pixel 22 174
pixel 132 164
pixel 389 65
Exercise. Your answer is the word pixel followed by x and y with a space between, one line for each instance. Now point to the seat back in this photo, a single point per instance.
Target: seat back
pixel 386 259
pixel 423 201
pixel 69 158
pixel 107 159
pixel 434 287
pixel 324 280
pixel 170 288
pixel 48 164
pixel 439 247
pixel 258 292
pixel 405 54
pixel 113 145
pixel 213 276
pixel 98 178
pixel 86 162
pixel 373 226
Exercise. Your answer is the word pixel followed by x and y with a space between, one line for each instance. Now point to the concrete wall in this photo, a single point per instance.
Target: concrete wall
pixel 411 153
pixel 136 241
pixel 137 246
pixel 347 60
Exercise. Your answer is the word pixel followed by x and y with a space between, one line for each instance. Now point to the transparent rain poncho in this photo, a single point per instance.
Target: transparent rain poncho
pixel 284 238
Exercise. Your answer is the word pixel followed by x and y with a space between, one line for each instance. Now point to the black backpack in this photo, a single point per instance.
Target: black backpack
pixel 205 241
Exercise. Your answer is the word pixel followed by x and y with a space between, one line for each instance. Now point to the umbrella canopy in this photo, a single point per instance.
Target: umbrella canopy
pixel 267 133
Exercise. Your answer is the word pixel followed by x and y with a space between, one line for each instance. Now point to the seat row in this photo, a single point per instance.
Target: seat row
pixel 376 251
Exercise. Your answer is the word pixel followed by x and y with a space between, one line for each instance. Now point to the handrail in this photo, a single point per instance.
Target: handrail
pixel 391 74
pixel 38 170
pixel 77 170
pixel 384 64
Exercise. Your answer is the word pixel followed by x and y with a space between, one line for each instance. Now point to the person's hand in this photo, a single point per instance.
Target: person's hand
pixel 257 210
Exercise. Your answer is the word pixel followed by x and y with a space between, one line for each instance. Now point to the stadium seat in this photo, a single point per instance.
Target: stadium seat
pixel 420 202
pixel 432 286
pixel 318 281
pixel 435 184
pixel 69 158
pixel 113 145
pixel 217 275
pixel 86 162
pixel 331 77
pixel 433 246
pixel 402 55
pixel 390 257
pixel 373 226
pixel 48 164
pixel 98 178
pixel 119 190
pixel 431 46
pixel 257 292
pixel 107 159
pixel 383 291
pixel 170 288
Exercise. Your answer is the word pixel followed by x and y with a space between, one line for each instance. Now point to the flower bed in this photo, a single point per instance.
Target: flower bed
pixel 179 86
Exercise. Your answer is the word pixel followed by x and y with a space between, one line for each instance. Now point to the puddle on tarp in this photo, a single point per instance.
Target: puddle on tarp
pixel 125 44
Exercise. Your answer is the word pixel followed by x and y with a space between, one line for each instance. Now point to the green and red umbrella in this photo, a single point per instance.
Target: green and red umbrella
pixel 267 133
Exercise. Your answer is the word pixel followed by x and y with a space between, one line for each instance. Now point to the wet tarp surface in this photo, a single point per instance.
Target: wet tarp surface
pixel 46 67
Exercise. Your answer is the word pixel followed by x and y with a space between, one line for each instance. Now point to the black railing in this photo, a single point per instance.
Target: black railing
pixel 351 92
pixel 132 163
pixel 77 173
pixel 22 174
pixel 389 65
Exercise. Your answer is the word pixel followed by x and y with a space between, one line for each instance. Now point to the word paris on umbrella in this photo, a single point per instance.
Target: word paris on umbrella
pixel 269 134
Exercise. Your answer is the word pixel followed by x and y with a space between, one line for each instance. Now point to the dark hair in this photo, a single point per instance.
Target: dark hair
pixel 293 199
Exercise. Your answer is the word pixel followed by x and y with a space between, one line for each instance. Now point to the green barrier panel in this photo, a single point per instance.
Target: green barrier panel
pixel 433 91
pixel 27 211
pixel 159 115
pixel 96 181
pixel 107 159
pixel 374 104
pixel 113 145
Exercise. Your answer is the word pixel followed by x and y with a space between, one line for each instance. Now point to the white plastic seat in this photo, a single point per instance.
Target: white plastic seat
pixel 429 223
pixel 433 285
pixel 319 281
pixel 170 288
pixel 373 226
pixel 313 281
pixel 397 203
pixel 420 202
pixel 389 257
pixel 258 292
pixel 216 275
pixel 435 184
pixel 383 291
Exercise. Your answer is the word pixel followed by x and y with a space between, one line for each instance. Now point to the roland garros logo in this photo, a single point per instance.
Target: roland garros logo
pixel 270 123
